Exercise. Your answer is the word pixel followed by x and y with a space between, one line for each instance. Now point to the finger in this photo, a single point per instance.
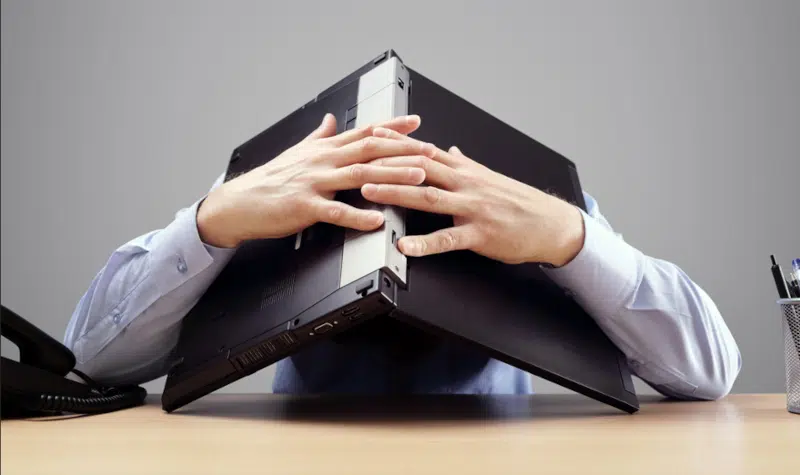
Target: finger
pixel 325 129
pixel 436 173
pixel 354 176
pixel 456 152
pixel 458 238
pixel 402 125
pixel 422 198
pixel 427 149
pixel 344 215
pixel 371 148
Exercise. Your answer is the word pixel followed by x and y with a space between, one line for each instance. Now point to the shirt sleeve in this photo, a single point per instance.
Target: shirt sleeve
pixel 127 323
pixel 668 327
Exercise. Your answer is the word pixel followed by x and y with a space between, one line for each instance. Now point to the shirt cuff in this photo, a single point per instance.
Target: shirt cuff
pixel 604 274
pixel 174 256
pixel 180 253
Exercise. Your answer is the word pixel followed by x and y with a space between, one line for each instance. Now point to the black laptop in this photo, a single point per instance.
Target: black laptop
pixel 277 297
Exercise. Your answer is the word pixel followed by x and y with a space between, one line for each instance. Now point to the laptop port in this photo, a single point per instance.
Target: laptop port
pixel 325 327
pixel 350 311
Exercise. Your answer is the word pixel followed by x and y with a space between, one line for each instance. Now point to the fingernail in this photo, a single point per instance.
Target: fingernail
pixel 369 189
pixel 375 217
pixel 380 132
pixel 412 118
pixel 416 175
pixel 454 149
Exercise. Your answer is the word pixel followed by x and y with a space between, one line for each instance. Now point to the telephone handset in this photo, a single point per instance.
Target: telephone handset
pixel 37 385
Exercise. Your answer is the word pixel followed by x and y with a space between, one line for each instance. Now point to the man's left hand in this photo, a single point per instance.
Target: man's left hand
pixel 493 215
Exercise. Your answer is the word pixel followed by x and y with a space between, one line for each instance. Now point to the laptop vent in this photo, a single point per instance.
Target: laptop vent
pixel 277 291
pixel 257 354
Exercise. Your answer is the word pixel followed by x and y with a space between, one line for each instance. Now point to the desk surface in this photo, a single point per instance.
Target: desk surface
pixel 235 434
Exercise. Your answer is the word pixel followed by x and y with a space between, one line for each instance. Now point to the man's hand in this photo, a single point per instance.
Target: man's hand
pixel 296 189
pixel 493 215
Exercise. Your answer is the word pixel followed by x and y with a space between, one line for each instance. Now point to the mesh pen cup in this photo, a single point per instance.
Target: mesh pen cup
pixel 791 339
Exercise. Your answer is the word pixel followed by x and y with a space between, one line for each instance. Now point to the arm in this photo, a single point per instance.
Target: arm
pixel 668 327
pixel 128 321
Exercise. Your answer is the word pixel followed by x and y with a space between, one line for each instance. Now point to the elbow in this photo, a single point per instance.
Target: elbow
pixel 714 389
pixel 705 379
pixel 718 378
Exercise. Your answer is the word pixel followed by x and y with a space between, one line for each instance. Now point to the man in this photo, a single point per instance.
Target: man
pixel 667 326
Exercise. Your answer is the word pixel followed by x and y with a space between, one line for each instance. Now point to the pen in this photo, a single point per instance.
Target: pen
pixel 777 274
pixel 796 279
pixel 794 288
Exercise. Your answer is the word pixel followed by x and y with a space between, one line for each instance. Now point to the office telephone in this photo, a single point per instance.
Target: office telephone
pixel 37 384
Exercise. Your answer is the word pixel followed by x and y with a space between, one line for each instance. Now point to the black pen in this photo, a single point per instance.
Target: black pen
pixel 794 280
pixel 794 288
pixel 780 283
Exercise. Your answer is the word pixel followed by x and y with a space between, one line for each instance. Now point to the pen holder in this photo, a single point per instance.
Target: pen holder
pixel 791 341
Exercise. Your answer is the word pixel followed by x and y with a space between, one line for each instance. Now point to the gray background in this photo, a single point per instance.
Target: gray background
pixel 683 118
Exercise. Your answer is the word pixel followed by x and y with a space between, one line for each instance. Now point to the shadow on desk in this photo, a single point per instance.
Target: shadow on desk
pixel 407 409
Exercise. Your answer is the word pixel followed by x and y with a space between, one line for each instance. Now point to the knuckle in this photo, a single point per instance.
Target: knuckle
pixel 480 208
pixel 368 144
pixel 357 172
pixel 432 195
pixel 316 156
pixel 297 205
pixel 335 211
pixel 307 180
pixel 485 234
pixel 447 241
pixel 466 177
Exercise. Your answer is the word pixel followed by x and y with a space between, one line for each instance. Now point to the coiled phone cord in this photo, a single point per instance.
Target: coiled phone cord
pixel 106 400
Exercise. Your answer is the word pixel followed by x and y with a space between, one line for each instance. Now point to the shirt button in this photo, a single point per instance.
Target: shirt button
pixel 117 318
pixel 181 265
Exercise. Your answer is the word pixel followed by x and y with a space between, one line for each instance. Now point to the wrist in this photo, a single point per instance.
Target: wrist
pixel 211 227
pixel 570 234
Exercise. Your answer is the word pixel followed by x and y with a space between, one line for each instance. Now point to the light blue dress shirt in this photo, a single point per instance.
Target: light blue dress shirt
pixel 672 333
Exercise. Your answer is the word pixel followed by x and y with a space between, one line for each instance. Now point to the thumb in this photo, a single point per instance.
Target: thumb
pixel 326 129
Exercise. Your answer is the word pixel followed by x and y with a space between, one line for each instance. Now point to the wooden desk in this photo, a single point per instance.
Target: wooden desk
pixel 270 434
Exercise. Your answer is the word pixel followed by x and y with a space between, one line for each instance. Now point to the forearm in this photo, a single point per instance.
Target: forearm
pixel 128 321
pixel 668 327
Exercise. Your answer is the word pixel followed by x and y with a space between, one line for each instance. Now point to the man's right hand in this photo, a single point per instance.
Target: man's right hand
pixel 296 189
